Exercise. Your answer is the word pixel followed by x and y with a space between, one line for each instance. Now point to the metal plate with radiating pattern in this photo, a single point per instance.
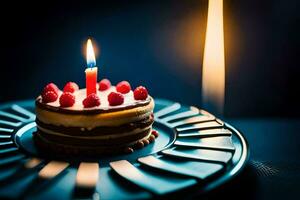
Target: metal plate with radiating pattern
pixel 194 152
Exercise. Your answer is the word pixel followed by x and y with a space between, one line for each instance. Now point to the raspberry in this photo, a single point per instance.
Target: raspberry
pixel 123 87
pixel 50 87
pixel 71 87
pixel 155 133
pixel 115 99
pixel 91 101
pixel 49 96
pixel 67 99
pixel 104 84
pixel 140 93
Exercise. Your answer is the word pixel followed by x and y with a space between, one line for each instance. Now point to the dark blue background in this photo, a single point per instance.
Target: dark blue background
pixel 158 44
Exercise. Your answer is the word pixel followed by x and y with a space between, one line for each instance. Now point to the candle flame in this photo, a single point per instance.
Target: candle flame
pixel 90 55
pixel 213 81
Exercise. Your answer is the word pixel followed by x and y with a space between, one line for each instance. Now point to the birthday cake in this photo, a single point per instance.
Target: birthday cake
pixel 115 119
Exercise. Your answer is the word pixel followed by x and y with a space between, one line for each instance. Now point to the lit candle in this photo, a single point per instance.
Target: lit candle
pixel 91 71
pixel 213 80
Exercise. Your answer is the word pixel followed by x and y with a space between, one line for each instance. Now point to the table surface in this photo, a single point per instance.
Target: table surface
pixel 273 171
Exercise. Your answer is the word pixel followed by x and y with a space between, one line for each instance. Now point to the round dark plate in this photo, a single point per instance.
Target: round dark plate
pixel 194 152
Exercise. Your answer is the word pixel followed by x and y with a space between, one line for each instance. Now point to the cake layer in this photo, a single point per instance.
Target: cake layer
pixel 90 120
pixel 85 150
pixel 98 131
pixel 122 139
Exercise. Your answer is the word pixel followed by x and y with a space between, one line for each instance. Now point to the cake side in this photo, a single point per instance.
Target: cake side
pixel 90 119
pixel 105 127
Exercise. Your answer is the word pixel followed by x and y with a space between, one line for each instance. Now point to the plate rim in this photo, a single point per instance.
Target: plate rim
pixel 228 175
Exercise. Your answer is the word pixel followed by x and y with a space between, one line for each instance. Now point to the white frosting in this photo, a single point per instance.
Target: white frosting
pixel 80 95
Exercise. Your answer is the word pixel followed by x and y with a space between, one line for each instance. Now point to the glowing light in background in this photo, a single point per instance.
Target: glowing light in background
pixel 213 80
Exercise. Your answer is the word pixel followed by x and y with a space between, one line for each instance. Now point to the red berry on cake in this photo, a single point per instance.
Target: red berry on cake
pixel 140 93
pixel 49 96
pixel 91 101
pixel 123 87
pixel 115 99
pixel 104 84
pixel 50 87
pixel 155 133
pixel 71 87
pixel 67 99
